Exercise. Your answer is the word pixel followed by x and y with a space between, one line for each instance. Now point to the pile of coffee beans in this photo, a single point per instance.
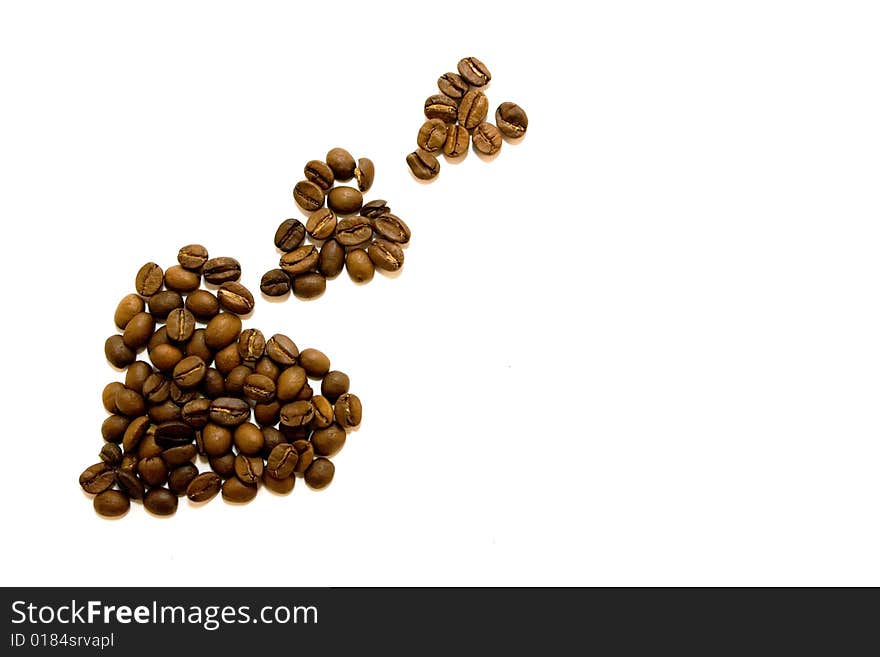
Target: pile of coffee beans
pixel 206 379
pixel 457 117
pixel 361 237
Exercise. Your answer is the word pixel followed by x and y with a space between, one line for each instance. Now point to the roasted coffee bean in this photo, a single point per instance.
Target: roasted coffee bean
pixel 322 416
pixel 335 383
pixel 424 166
pixel 221 270
pixel 249 469
pixel 342 163
pixel 457 141
pixel 213 384
pixel 165 357
pixel 159 337
pixel 354 231
pixel 236 298
pixel 282 349
pixel 267 414
pixel 275 283
pixel 321 223
pixel 281 461
pixel 160 502
pixel 235 380
pixel 235 491
pixel 149 279
pixel 189 372
pixel 222 330
pixel 129 306
pixel 136 375
pixel 228 358
pixel 487 139
pixel 259 388
pixel 320 473
pixel 167 411
pixel 181 280
pixel 248 439
pixel 511 120
pixel 279 486
pixel 474 72
pixel 305 455
pixel 309 286
pixel 319 173
pixel 345 200
pixel 203 305
pixel 290 235
pixel 331 259
pixel 297 414
pixel 432 135
pixel 197 346
pixel 305 393
pixel 130 402
pixel 348 410
pixel 359 266
pixel 292 434
pixel 473 109
pixel 267 367
pixel 135 432
pixel 177 456
pixel 365 173
pixel 111 504
pixel 181 477
pixel 195 413
pixel 153 471
pixel 180 325
pixel 192 257
pixel 314 362
pixel 111 454
pixel 108 395
pixel 204 487
pixel 129 484
pixel 217 440
pixel 308 195
pixel 162 303
pixel 129 462
pixel 290 382
pixel 117 353
pixel 386 255
pixel 174 434
pixel 156 388
pixel 229 411
pixel 300 260
pixel 113 428
pixel 391 228
pixel 441 107
pixel 452 85
pixel 181 396
pixel 138 331
pixel 149 447
pixel 251 344
pixel 271 439
pixel 373 209
pixel 329 440
pixel 97 478
pixel 223 465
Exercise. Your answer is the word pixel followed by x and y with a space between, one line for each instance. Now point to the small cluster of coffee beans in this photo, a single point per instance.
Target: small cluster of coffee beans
pixel 457 118
pixel 196 396
pixel 361 237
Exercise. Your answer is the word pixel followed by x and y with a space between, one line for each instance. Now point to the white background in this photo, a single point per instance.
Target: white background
pixel 640 347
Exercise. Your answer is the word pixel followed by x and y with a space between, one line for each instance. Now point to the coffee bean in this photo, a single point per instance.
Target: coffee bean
pixel 204 487
pixel 424 166
pixel 441 107
pixel 251 344
pixel 365 173
pixel 167 411
pixel 359 266
pixel 111 504
pixel 130 402
pixel 432 135
pixel 319 173
pixel 308 195
pixel 335 383
pixel 113 428
pixel 281 461
pixel 282 349
pixel 165 357
pixel 267 414
pixel 474 72
pixel 117 353
pixel 181 396
pixel 314 362
pixel 198 346
pixel 275 283
pixel 473 109
pixel 322 223
pixel 259 388
pixel 279 486
pixel 129 306
pixel 97 478
pixel 181 477
pixel 149 279
pixel 156 388
pixel 136 375
pixel 159 337
pixel 162 303
pixel 328 441
pixel 290 234
pixel 342 163
pixel 348 410
pixel 135 432
pixel 290 382
pixel 216 439
pixel 152 470
pixel 189 372
pixel 345 200
pixel 249 469
pixel 192 257
pixel 372 209
pixel 180 325
pixel 212 386
pixel 248 439
pixel 174 434
pixel 228 358
pixel 354 231
pixel 320 473
pixel 223 465
pixel 129 463
pixel 392 228
pixel 138 331
pixel 222 330
pixel 148 447
pixel 181 280
pixel 129 484
pixel 236 298
pixel 452 85
pixel 300 260
pixel 235 380
pixel 235 491
pixel 271 439
pixel 108 395
pixel 457 141
pixel 386 255
pixel 221 270
pixel 267 367
pixel 331 259
pixel 229 411
pixel 111 454
pixel 487 139
pixel 511 120
pixel 305 455
pixel 196 413
pixel 322 412
pixel 177 456
pixel 309 286
pixel 160 502
pixel 297 414
pixel 292 434
pixel 203 305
